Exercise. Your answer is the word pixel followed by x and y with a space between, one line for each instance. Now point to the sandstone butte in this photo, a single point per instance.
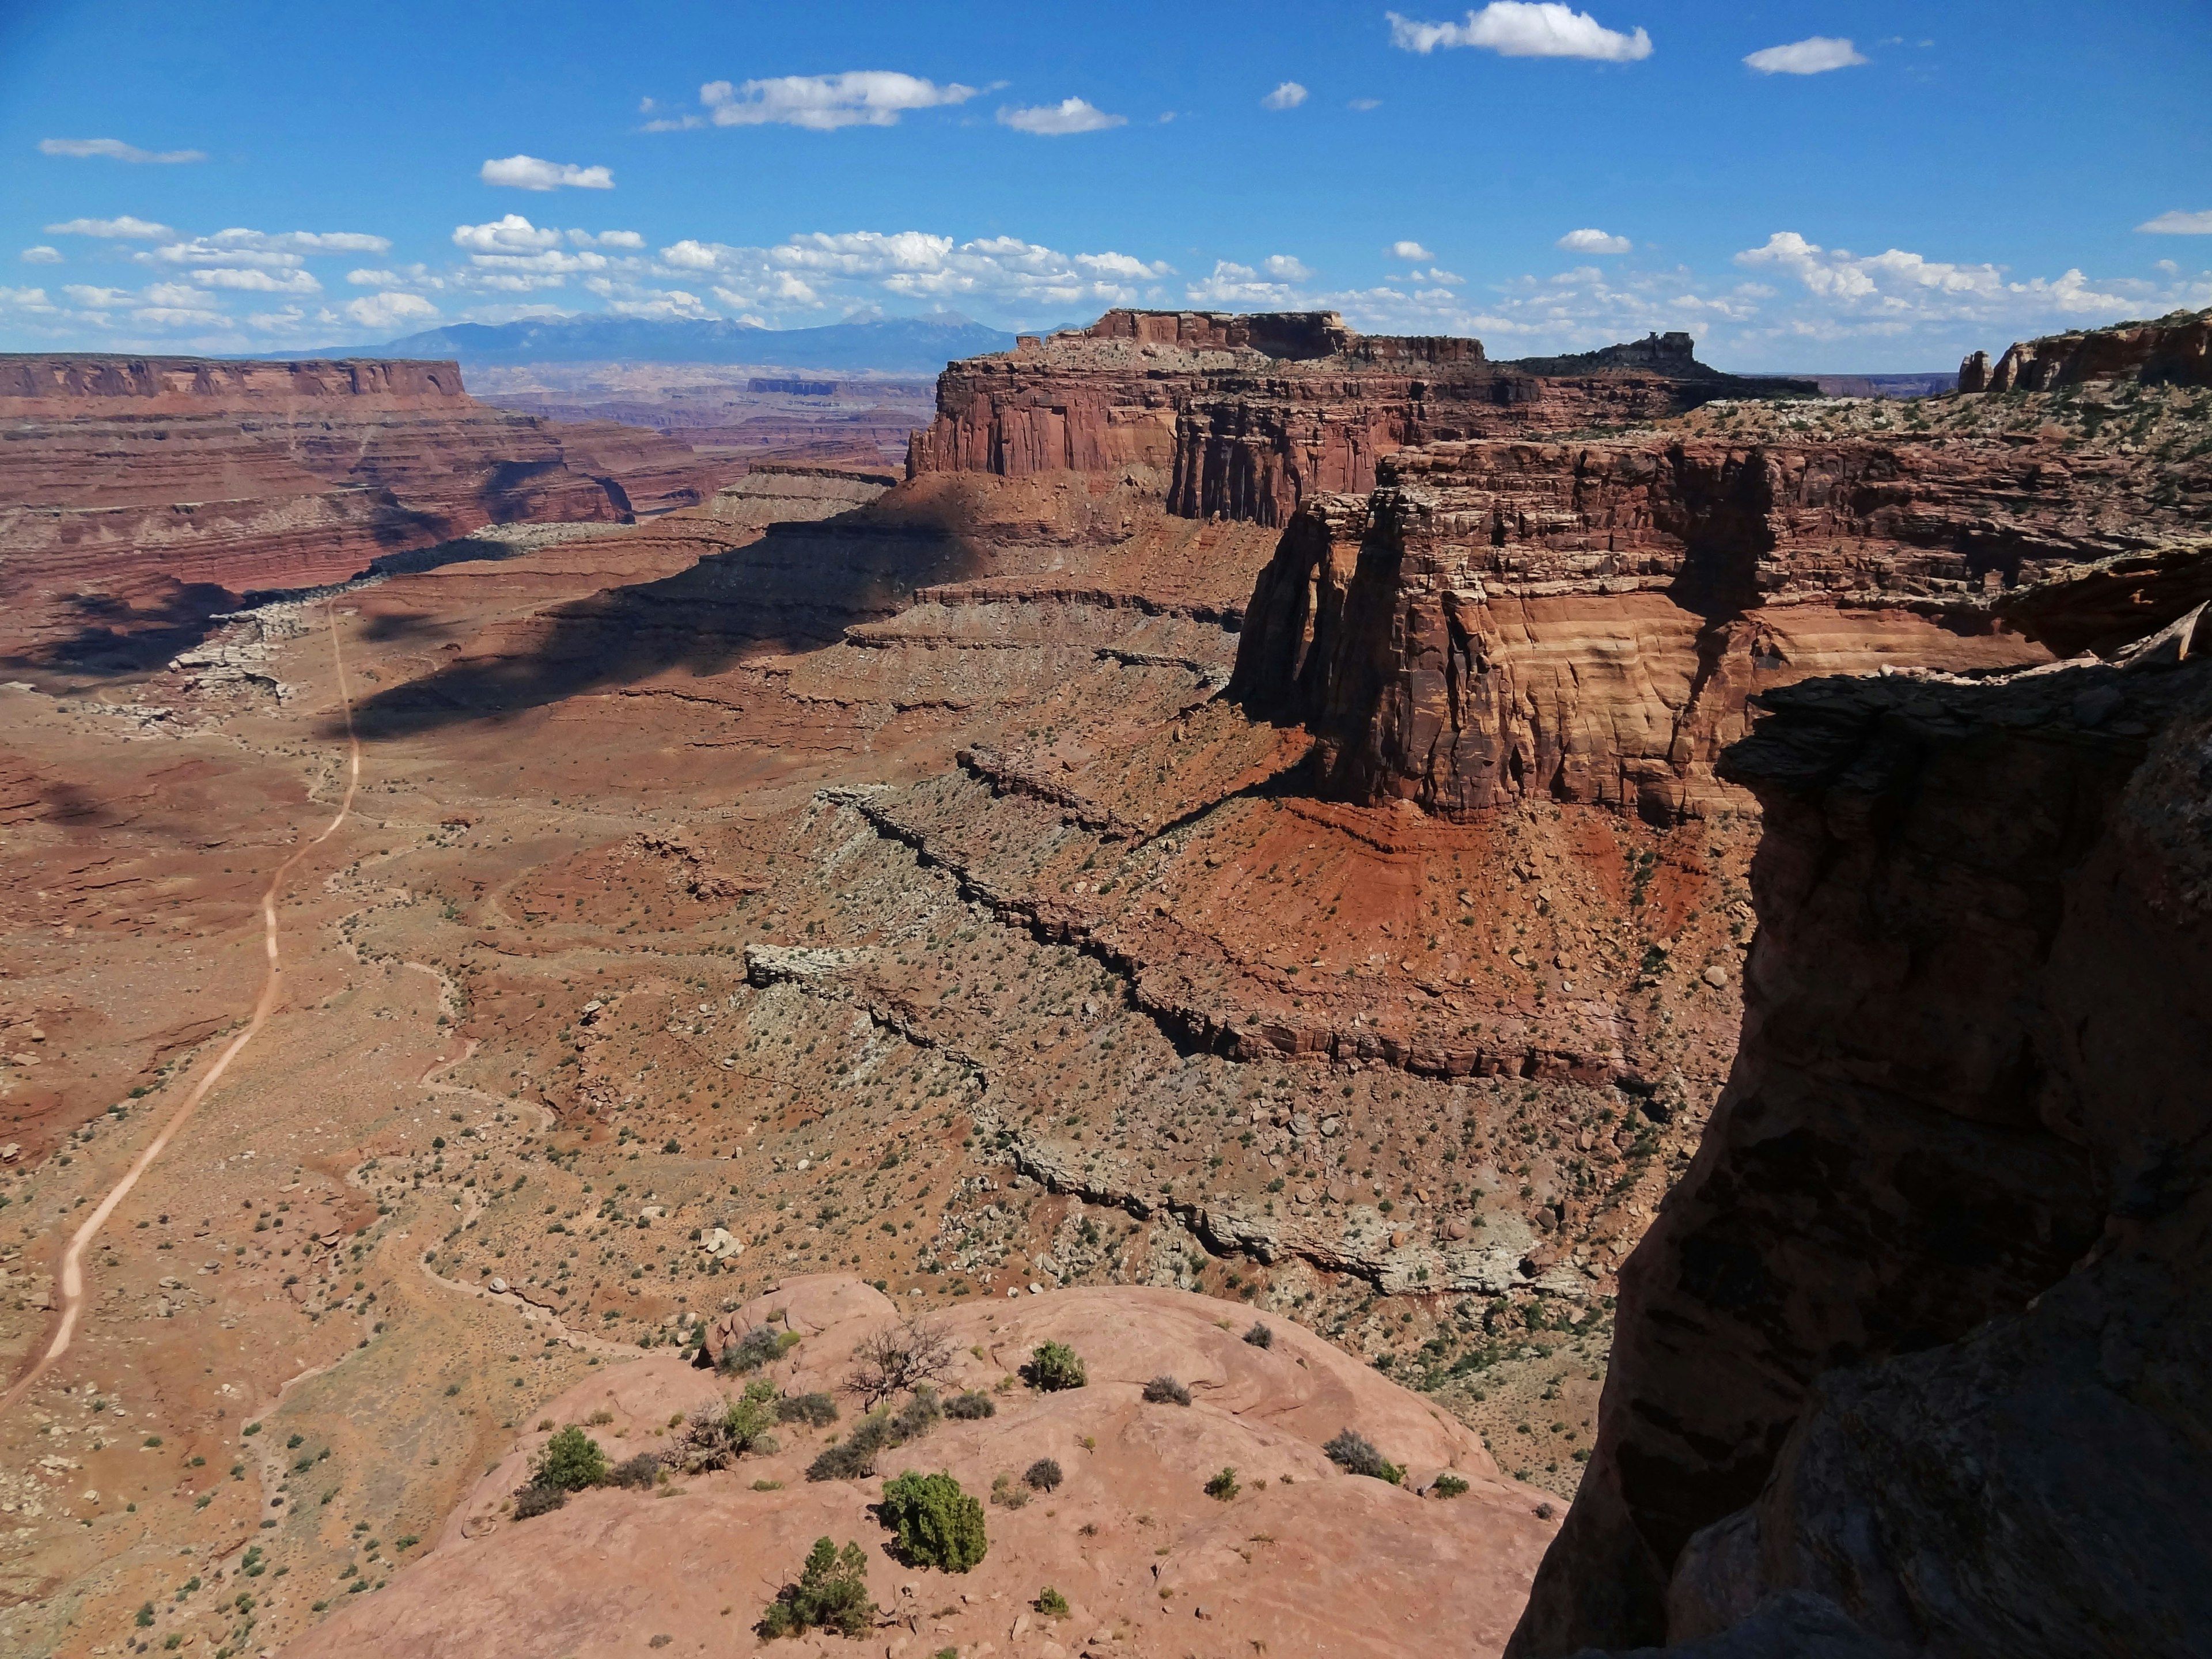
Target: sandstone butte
pixel 137 493
pixel 1331 898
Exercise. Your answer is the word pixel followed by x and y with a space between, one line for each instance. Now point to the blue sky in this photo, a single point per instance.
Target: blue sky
pixel 1880 186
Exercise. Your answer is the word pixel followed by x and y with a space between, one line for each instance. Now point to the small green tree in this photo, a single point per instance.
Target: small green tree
pixel 937 1524
pixel 571 1461
pixel 832 1592
pixel 1051 1603
pixel 1224 1485
pixel 1053 1366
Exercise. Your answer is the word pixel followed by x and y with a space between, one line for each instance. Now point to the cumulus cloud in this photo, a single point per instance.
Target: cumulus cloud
pixel 254 280
pixel 629 239
pixel 116 150
pixel 509 234
pixel 1289 95
pixel 1410 251
pixel 666 304
pixel 1285 269
pixel 97 298
pixel 1058 120
pixel 125 228
pixel 1231 284
pixel 1515 29
pixel 1816 54
pixel 2176 223
pixel 1594 241
pixel 42 255
pixel 389 310
pixel 528 172
pixel 179 317
pixel 822 103
pixel 240 249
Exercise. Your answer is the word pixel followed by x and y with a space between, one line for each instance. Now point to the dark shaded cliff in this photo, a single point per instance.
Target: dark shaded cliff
pixel 1916 1358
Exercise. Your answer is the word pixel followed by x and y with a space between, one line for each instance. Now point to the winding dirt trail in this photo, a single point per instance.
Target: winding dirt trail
pixel 71 1277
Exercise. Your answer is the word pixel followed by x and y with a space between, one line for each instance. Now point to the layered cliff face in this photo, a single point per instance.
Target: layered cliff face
pixel 1917 1353
pixel 1246 416
pixel 1584 621
pixel 2175 350
pixel 132 490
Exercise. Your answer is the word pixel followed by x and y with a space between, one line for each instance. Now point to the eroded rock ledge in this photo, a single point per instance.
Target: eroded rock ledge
pixel 1914 1359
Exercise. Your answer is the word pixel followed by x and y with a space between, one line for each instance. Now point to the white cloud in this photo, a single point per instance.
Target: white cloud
pixel 115 150
pixel 511 234
pixel 175 295
pixel 389 310
pixel 1816 54
pixel 1289 95
pixel 528 172
pixel 125 228
pixel 97 298
pixel 1409 250
pixel 255 250
pixel 822 103
pixel 2175 224
pixel 1594 241
pixel 1285 269
pixel 42 255
pixel 1232 284
pixel 1810 56
pixel 606 239
pixel 1515 29
pixel 693 255
pixel 253 280
pixel 1363 103
pixel 24 298
pixel 179 317
pixel 670 305
pixel 1058 120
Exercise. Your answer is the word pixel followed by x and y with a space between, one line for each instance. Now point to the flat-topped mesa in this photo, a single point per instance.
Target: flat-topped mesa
pixel 1244 415
pixel 2174 350
pixel 35 386
pixel 1584 621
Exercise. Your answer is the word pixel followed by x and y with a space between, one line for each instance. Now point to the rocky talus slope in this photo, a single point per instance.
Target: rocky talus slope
pixel 138 494
pixel 1583 620
pixel 1245 416
pixel 1914 1358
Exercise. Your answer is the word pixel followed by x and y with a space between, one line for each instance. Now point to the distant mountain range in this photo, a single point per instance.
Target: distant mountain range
pixel 894 345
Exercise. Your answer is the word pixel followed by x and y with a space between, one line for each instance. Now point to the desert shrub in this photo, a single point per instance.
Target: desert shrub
pixel 917 1417
pixel 832 1594
pixel 571 1461
pixel 855 1456
pixel 642 1470
pixel 1054 1366
pixel 1224 1485
pixel 1051 1603
pixel 906 1355
pixel 1165 1390
pixel 1260 1336
pixel 1355 1454
pixel 1005 1494
pixel 1043 1475
pixel 817 1411
pixel 718 1436
pixel 1449 1486
pixel 937 1524
pixel 973 1404
pixel 758 1347
pixel 535 1500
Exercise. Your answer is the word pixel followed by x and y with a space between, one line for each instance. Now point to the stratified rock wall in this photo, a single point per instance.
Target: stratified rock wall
pixel 2175 350
pixel 126 477
pixel 1923 1338
pixel 1246 416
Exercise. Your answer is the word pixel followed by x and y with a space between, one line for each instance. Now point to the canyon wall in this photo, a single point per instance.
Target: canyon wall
pixel 1584 620
pixel 1914 1358
pixel 132 484
pixel 1245 416
pixel 2175 350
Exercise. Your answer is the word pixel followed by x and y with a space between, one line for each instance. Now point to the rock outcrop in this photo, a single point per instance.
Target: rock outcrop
pixel 133 487
pixel 1246 416
pixel 2174 350
pixel 1914 1359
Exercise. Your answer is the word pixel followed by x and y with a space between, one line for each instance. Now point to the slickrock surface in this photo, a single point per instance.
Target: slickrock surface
pixel 1305 1558
pixel 1584 620
pixel 1918 1348
pixel 1245 416
pixel 139 495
